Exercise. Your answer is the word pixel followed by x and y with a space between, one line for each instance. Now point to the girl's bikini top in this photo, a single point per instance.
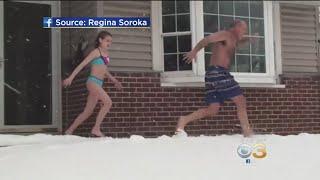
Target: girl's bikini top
pixel 100 60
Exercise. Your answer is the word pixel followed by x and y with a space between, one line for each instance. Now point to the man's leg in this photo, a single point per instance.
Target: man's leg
pixel 241 104
pixel 210 111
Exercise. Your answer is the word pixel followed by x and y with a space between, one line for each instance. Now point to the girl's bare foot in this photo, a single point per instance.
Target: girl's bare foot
pixel 97 133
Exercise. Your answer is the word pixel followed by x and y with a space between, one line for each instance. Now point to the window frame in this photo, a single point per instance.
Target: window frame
pixel 197 32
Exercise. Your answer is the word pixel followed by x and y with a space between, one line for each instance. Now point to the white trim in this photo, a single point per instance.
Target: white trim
pixel 317 3
pixel 242 85
pixel 318 35
pixel 277 37
pixel 16 127
pixel 188 76
pixel 317 7
pixel 198 35
pixel 1 65
pixel 156 38
pixel 193 27
pixel 29 129
pixel 226 15
pixel 268 34
pixel 52 3
pixel 55 71
pixel 175 33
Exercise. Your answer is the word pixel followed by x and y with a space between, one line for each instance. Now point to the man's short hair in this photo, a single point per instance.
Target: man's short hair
pixel 235 23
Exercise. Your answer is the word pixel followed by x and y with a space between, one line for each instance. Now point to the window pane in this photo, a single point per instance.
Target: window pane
pixel 225 22
pixel 241 8
pixel 183 6
pixel 27 46
pixel 233 64
pixel 210 23
pixel 210 7
pixel 256 8
pixel 208 47
pixel 226 7
pixel 244 48
pixel 243 63
pixel 257 46
pixel 257 27
pixel 170 62
pixel 168 7
pixel 183 22
pixel 258 64
pixel 207 60
pixel 168 24
pixel 170 44
pixel 184 43
pixel 249 55
pixel 183 65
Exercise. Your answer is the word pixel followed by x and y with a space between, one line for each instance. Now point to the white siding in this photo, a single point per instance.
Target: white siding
pixel 298 37
pixel 131 49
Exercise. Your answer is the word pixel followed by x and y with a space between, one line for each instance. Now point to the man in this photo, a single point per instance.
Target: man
pixel 220 84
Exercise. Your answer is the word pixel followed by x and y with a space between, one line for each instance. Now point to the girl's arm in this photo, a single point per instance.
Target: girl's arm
pixel 86 61
pixel 114 80
pixel 89 58
pixel 110 76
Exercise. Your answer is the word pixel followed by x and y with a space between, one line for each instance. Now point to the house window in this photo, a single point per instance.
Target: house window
pixel 176 34
pixel 219 15
pixel 181 24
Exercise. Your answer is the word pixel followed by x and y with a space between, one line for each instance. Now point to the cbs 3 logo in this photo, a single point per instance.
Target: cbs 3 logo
pixel 258 151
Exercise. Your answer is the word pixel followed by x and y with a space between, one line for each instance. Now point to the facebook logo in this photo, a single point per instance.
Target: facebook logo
pixel 47 21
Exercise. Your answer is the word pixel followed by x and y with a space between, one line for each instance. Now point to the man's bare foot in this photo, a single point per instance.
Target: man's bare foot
pixel 181 123
pixel 97 133
pixel 248 132
pixel 68 132
pixel 180 128
pixel 180 133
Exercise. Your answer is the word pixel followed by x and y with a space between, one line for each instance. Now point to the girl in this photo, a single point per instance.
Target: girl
pixel 98 58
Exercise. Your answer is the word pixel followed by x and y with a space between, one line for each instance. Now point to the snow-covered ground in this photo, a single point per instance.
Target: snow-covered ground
pixel 47 157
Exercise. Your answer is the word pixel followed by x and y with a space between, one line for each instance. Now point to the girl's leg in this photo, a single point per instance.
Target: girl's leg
pixel 92 100
pixel 106 105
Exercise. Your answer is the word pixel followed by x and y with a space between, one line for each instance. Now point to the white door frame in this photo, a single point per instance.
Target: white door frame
pixel 56 75
pixel 318 36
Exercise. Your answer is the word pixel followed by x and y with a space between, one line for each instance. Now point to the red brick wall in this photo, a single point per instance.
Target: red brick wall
pixel 145 108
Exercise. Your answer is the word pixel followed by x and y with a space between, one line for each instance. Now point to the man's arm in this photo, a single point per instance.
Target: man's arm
pixel 248 39
pixel 215 37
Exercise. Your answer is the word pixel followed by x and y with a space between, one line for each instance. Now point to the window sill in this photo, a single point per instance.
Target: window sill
pixel 198 81
pixel 244 85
